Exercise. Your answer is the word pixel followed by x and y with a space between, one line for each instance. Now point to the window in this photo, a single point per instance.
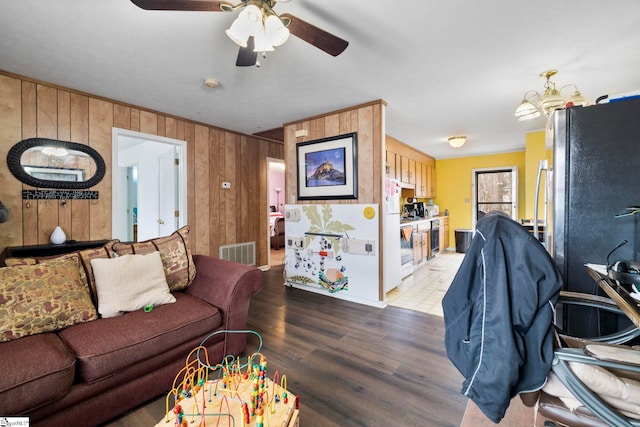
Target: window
pixel 495 189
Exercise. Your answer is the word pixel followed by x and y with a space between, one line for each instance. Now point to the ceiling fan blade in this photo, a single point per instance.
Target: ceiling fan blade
pixel 246 56
pixel 321 39
pixel 188 5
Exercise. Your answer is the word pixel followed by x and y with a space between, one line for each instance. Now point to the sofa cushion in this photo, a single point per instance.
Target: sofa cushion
pixel 85 256
pixel 107 346
pixel 41 298
pixel 51 368
pixel 175 253
pixel 129 283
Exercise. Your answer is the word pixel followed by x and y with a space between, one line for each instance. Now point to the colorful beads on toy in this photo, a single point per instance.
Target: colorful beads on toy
pixel 284 397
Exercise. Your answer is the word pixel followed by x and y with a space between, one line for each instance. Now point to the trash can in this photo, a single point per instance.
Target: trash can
pixel 463 239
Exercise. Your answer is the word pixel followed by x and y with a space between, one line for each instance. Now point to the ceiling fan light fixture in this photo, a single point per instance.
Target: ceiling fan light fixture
pixel 457 141
pixel 275 31
pixel 248 23
pixel 262 44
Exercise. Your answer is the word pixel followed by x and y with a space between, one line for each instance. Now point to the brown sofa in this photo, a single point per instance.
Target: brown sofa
pixel 91 372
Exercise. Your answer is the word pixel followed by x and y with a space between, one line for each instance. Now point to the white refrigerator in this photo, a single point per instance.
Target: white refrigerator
pixel 391 263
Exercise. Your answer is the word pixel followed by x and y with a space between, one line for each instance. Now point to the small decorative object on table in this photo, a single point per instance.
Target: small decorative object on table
pixel 57 236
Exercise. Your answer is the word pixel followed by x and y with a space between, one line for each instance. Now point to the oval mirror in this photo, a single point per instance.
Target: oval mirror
pixel 49 163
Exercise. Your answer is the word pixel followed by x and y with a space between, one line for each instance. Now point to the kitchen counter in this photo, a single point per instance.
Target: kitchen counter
pixel 405 221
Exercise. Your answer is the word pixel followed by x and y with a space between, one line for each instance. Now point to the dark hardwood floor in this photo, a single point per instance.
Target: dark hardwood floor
pixel 350 364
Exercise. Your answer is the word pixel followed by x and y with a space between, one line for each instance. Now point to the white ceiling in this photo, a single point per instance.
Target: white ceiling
pixel 444 67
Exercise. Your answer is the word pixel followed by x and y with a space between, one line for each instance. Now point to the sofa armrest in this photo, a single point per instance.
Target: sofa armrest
pixel 228 286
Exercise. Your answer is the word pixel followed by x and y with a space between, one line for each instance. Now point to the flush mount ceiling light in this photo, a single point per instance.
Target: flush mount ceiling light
pixel 211 83
pixel 457 141
pixel 534 104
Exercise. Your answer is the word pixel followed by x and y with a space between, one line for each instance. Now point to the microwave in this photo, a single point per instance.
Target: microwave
pixel 432 210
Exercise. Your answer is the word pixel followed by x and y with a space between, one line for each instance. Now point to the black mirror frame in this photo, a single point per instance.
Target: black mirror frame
pixel 15 153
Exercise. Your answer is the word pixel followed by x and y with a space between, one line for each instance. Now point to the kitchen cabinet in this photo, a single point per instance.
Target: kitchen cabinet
pixel 422 180
pixel 390 165
pixel 430 172
pixel 444 233
pixel 421 241
pixel 412 168
pixel 407 170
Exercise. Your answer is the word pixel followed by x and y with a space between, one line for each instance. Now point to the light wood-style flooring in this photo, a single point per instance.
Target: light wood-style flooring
pixel 351 364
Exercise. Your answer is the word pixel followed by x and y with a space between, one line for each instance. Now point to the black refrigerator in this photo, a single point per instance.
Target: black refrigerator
pixel 595 178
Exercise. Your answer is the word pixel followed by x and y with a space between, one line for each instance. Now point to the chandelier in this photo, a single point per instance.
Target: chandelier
pixel 534 104
pixel 259 21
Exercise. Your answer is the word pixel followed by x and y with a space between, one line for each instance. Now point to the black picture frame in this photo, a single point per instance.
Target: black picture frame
pixel 327 168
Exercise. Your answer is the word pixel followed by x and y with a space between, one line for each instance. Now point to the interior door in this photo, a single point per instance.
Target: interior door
pixel 167 193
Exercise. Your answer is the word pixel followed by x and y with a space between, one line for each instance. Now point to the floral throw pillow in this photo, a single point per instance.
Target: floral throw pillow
pixel 179 268
pixel 43 297
pixel 85 256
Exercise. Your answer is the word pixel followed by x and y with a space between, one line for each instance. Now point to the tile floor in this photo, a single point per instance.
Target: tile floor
pixel 424 289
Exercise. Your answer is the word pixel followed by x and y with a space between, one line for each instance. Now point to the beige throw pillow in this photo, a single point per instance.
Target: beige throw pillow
pixel 129 283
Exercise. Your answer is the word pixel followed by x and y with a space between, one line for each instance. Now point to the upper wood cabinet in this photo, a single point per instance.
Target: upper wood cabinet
pixel 430 172
pixel 390 165
pixel 411 167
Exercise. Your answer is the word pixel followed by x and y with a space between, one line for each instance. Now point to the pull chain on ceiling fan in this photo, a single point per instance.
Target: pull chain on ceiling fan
pixel 257 28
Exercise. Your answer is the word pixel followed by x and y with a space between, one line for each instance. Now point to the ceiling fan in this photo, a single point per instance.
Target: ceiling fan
pixel 258 28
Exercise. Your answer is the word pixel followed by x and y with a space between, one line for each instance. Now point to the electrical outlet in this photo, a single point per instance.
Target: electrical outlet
pixel 226 185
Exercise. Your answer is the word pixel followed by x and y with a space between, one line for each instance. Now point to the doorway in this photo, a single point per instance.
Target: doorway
pixel 275 204
pixel 148 185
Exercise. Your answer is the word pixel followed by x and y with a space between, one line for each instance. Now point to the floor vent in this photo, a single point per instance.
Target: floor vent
pixel 244 253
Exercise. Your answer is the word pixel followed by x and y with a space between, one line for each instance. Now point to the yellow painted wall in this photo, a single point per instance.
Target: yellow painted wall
pixel 454 186
pixel 535 151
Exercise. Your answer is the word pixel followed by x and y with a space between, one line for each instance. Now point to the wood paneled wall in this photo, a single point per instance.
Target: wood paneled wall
pixel 216 216
pixel 368 121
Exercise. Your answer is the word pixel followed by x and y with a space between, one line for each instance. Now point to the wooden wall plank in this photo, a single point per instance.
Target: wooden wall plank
pixel 170 128
pixel 121 116
pixel 10 133
pixel 79 118
pixel 148 122
pixel 216 172
pixel 80 211
pixel 201 189
pixel 64 216
pixel 29 130
pixel 161 125
pixel 47 117
pixel 135 119
pixel 100 135
pixel 230 219
pixel 29 111
pixel 190 137
pixel 64 116
pixel 47 220
pixel 365 155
